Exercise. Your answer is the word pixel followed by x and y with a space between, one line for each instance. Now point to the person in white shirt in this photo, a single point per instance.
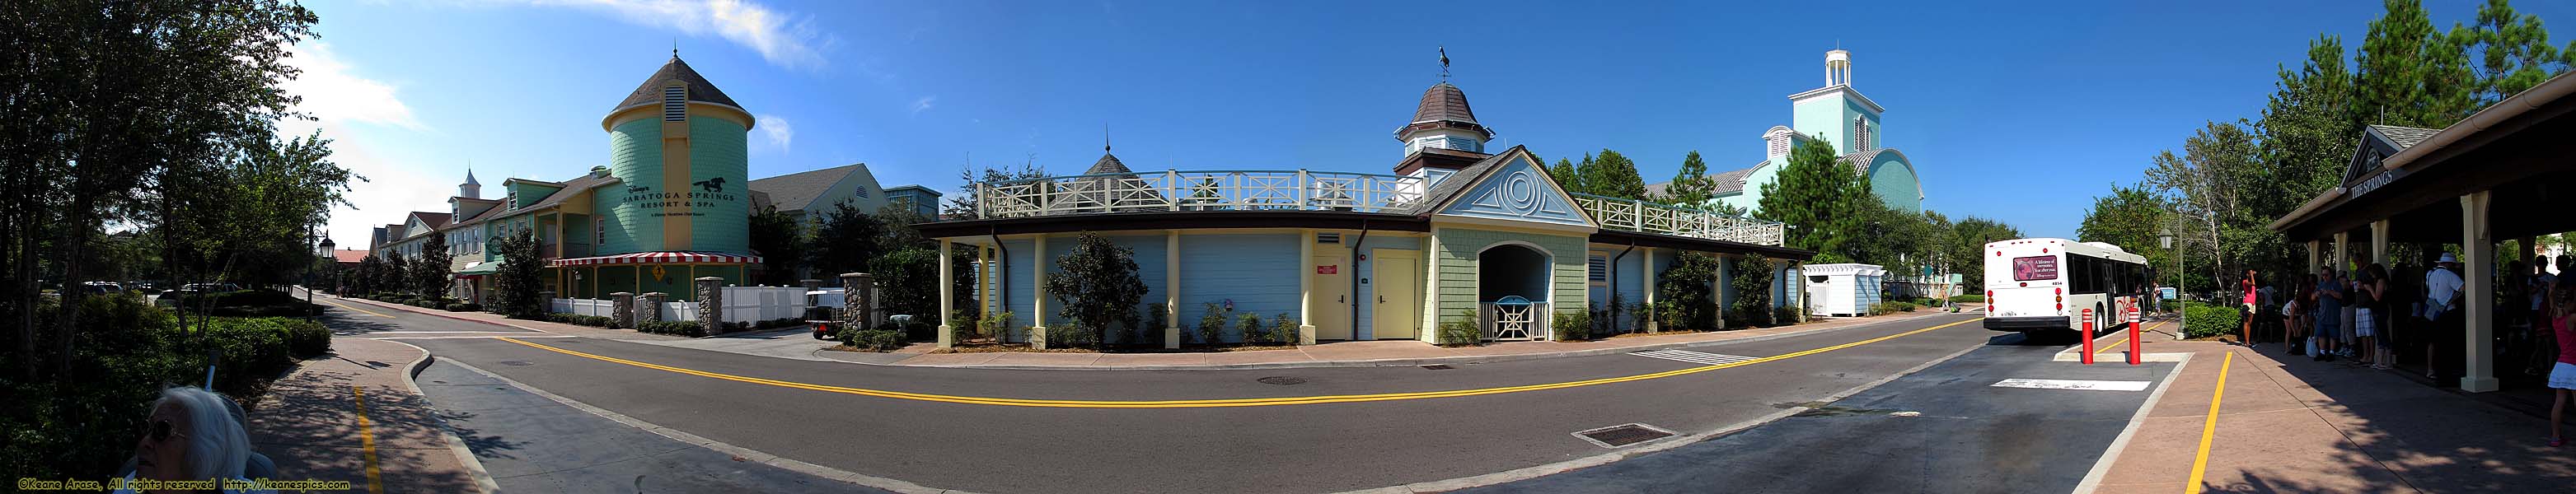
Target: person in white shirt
pixel 2441 289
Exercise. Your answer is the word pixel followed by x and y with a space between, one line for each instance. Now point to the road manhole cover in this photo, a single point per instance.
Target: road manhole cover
pixel 1283 380
pixel 1623 435
pixel 520 363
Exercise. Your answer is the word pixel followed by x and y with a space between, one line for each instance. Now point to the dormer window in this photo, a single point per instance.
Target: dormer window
pixel 1860 135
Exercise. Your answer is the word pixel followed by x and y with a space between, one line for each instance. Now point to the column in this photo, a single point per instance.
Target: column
pixel 2379 242
pixel 1172 289
pixel 2343 253
pixel 947 297
pixel 2313 252
pixel 1431 254
pixel 2479 243
pixel 1718 293
pixel 1646 279
pixel 648 308
pixel 854 301
pixel 1038 302
pixel 711 304
pixel 622 309
pixel 1305 285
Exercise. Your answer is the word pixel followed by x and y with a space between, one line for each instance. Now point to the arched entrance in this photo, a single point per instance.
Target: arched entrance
pixel 1513 270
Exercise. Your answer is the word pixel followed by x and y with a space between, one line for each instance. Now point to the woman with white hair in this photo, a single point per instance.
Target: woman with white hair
pixel 191 436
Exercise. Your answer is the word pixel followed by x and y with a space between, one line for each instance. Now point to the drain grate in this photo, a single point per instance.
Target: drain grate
pixel 519 363
pixel 1283 380
pixel 1438 367
pixel 1623 435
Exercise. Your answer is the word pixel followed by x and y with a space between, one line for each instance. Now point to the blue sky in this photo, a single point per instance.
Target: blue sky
pixel 2018 112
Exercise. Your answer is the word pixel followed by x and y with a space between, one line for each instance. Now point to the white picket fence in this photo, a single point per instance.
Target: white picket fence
pixel 679 311
pixel 762 303
pixel 586 307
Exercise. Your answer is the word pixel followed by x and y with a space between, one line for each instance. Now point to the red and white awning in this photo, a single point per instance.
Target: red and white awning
pixel 678 257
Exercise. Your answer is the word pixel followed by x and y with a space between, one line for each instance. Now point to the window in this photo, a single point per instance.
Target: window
pixel 1860 134
pixel 1780 144
pixel 1600 269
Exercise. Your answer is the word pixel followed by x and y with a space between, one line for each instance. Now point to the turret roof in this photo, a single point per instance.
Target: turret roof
pixel 699 89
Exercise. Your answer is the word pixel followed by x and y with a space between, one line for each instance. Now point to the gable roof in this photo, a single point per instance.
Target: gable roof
pixel 699 89
pixel 1108 164
pixel 795 191
pixel 434 220
pixel 1449 189
pixel 1728 182
pixel 347 256
pixel 2404 137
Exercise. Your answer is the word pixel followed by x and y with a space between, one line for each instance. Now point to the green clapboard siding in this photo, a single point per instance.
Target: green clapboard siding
pixel 716 150
pixel 1457 276
pixel 635 157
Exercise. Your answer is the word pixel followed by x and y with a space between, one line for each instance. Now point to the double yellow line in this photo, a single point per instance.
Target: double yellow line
pixel 1234 402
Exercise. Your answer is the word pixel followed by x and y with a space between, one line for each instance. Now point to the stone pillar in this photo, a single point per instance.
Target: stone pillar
pixel 1172 289
pixel 947 297
pixel 711 304
pixel 855 301
pixel 648 308
pixel 624 309
pixel 2478 241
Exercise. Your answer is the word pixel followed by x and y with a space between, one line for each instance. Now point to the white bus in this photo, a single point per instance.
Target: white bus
pixel 2043 285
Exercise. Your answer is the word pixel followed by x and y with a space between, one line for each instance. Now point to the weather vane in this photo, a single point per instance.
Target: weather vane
pixel 1444 63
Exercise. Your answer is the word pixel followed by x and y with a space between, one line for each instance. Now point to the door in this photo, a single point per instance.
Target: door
pixel 1397 293
pixel 1331 270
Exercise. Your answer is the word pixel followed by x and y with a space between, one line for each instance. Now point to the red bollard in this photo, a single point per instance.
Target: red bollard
pixel 2088 336
pixel 2137 346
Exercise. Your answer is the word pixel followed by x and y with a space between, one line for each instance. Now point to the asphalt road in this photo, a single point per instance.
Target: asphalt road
pixel 1290 448
pixel 1944 429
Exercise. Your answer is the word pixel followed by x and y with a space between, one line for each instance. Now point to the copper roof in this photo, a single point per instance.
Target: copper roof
pixel 699 89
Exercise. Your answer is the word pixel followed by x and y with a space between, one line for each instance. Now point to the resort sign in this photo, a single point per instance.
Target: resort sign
pixel 701 194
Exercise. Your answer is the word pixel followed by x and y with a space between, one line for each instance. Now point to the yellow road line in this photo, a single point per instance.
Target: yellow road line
pixel 2124 339
pixel 367 443
pixel 1232 402
pixel 368 312
pixel 2209 427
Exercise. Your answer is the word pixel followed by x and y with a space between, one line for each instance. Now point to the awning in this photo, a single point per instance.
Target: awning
pixel 677 257
pixel 479 268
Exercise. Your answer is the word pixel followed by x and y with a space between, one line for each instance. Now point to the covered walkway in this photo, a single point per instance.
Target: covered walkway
pixel 2507 172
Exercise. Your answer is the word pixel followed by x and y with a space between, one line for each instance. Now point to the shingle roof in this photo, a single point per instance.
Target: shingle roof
pixel 795 191
pixel 1444 102
pixel 1108 164
pixel 1728 182
pixel 699 88
pixel 2404 137
pixel 571 188
pixel 434 220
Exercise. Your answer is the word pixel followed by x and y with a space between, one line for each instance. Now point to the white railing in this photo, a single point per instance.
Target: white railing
pixel 1222 190
pixel 1641 216
pixel 1541 317
pixel 585 307
pixel 762 303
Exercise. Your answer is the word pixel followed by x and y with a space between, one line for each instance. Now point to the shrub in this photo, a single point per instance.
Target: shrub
pixel 1066 335
pixel 1466 330
pixel 997 326
pixel 1969 298
pixel 967 324
pixel 682 328
pixel 1571 325
pixel 1284 329
pixel 464 307
pixel 2204 320
pixel 1784 316
pixel 1212 325
pixel 1752 284
pixel 306 338
pixel 875 340
pixel 1249 325
pixel 1890 307
pixel 1096 285
pixel 1150 330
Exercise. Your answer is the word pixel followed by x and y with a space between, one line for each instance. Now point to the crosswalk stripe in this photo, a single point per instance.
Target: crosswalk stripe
pixel 1694 357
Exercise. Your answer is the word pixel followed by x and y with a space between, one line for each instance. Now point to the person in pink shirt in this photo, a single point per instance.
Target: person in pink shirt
pixel 2562 377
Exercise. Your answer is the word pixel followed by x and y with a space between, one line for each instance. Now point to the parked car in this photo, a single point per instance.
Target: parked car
pixel 102 287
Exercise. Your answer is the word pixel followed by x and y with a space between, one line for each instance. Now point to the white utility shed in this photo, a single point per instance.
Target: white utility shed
pixel 1842 289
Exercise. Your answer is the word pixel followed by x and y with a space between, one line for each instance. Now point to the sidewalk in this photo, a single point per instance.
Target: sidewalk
pixel 312 425
pixel 497 319
pixel 2289 424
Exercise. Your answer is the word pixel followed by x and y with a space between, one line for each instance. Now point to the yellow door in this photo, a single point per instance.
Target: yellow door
pixel 1397 291
pixel 1331 270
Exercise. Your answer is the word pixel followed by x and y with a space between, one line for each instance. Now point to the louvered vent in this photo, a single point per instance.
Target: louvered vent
pixel 675 104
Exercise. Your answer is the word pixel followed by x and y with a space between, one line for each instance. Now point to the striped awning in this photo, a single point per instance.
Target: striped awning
pixel 678 257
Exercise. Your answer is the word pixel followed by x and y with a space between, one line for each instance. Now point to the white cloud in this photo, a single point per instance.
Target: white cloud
pixel 340 100
pixel 335 96
pixel 922 104
pixel 777 130
pixel 779 37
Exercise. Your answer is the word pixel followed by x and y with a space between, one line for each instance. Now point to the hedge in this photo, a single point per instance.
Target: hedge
pixel 876 340
pixel 2203 320
pixel 682 328
pixel 1968 299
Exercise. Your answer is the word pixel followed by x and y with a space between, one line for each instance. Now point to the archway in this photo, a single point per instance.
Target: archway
pixel 1513 270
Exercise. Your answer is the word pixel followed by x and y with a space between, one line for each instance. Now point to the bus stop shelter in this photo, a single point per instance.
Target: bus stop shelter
pixel 2506 172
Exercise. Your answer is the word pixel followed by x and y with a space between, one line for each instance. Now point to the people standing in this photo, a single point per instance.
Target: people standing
pixel 2245 333
pixel 2371 300
pixel 2441 301
pixel 2330 300
pixel 2562 374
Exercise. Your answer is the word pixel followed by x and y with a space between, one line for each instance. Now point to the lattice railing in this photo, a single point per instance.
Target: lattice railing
pixel 1641 216
pixel 1221 190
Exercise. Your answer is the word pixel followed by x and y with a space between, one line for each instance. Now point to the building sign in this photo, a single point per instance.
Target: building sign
pixel 1333 269
pixel 700 195
pixel 2376 181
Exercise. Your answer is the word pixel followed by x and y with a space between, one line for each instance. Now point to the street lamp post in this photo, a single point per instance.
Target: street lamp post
pixel 2165 235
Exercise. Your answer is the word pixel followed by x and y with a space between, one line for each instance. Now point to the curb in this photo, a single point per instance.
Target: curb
pixel 455 445
pixel 1408 362
pixel 416 310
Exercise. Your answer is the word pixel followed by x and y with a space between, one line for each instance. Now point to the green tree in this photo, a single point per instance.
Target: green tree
pixel 517 283
pixel 2411 73
pixel 397 276
pixel 1566 175
pixel 779 238
pixel 1820 199
pixel 2513 51
pixel 2208 185
pixel 364 281
pixel 1096 285
pixel 1612 174
pixel 1690 284
pixel 1691 186
pixel 910 278
pixel 1969 236
pixel 2131 217
pixel 845 240
pixel 430 272
pixel 1751 281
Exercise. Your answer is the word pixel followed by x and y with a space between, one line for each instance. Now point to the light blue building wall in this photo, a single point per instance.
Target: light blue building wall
pixel 1258 273
pixel 1364 326
pixel 1831 116
pixel 1894 181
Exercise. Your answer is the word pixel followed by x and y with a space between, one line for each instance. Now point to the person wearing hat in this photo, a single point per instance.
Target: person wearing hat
pixel 2441 299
